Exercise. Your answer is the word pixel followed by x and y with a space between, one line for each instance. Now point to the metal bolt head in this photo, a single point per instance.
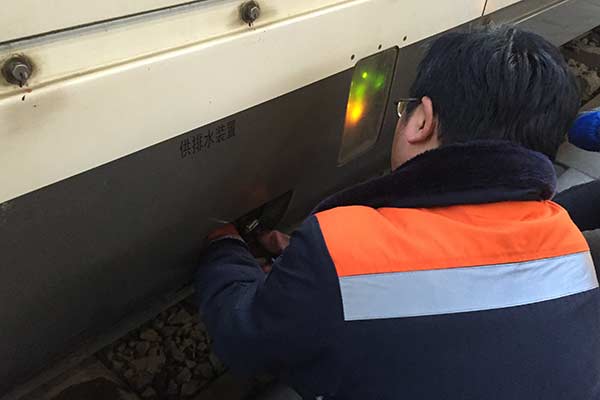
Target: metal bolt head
pixel 17 70
pixel 253 13
pixel 20 71
pixel 250 12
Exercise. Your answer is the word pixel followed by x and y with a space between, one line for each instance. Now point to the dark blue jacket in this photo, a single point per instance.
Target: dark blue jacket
pixel 396 288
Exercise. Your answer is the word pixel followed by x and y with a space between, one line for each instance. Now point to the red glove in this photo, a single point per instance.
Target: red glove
pixel 225 231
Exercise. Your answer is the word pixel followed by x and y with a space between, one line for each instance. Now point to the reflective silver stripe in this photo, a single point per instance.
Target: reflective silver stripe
pixel 446 291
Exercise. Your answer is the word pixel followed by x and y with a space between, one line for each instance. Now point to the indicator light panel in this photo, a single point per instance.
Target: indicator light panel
pixel 367 101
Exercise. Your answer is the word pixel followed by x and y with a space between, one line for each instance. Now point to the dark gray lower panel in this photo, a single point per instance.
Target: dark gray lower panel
pixel 79 255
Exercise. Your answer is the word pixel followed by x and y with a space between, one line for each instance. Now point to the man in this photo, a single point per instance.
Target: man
pixel 454 277
pixel 583 201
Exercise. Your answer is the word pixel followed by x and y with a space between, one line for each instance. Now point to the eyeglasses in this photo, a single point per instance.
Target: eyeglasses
pixel 402 105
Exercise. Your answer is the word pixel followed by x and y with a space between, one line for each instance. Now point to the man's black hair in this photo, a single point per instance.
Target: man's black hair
pixel 499 83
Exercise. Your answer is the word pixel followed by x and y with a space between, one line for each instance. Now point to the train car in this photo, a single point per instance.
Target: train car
pixel 130 129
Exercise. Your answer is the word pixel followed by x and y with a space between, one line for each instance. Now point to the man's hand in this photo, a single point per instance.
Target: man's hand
pixel 225 231
pixel 274 242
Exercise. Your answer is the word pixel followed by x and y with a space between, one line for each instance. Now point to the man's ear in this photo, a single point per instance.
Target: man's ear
pixel 421 126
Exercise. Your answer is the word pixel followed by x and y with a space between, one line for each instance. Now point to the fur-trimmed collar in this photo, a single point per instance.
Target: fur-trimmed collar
pixel 471 173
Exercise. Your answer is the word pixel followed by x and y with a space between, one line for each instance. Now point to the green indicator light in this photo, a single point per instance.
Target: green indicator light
pixel 379 82
pixel 365 75
pixel 360 91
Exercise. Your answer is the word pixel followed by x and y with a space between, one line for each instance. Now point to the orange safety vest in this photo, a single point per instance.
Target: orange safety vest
pixel 395 262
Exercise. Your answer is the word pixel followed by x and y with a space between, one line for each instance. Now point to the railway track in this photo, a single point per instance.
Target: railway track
pixel 166 353
pixel 583 56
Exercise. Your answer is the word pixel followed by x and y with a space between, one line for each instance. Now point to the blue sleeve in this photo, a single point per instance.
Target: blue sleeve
pixel 266 323
pixel 593 239
pixel 582 202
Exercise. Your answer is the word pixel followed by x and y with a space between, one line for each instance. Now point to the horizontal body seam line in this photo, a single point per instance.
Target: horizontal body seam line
pixel 475 309
pixel 414 271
